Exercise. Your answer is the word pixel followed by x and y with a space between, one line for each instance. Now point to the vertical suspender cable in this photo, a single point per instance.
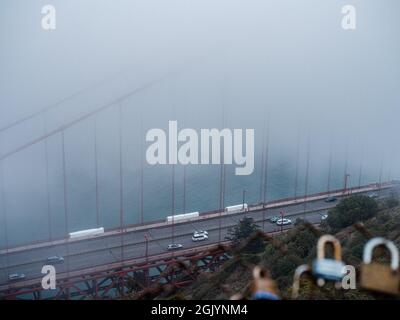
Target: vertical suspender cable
pixel 184 182
pixel 96 169
pixel 360 171
pixel 266 163
pixel 306 177
pixel 47 178
pixel 223 188
pixel 222 198
pixel 390 164
pixel 222 171
pixel 173 203
pixel 4 209
pixel 184 175
pixel 121 183
pixel 296 177
pixel 221 206
pixel 173 188
pixel 65 196
pixel 262 164
pixel 262 170
pixel 380 171
pixel 121 196
pixel 265 174
pixel 141 170
pixel 184 188
pixel 328 187
pixel 345 166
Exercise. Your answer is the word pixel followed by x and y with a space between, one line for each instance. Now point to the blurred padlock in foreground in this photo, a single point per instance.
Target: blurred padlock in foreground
pixel 325 268
pixel 378 276
pixel 263 287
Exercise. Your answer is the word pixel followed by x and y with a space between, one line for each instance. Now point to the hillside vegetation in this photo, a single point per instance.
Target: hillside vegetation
pixel 353 221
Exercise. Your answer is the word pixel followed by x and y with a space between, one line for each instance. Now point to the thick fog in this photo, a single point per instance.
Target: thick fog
pixel 285 67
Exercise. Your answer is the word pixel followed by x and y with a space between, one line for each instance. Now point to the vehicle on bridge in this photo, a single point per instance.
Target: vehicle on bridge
pixel 199 237
pixel 197 232
pixel 16 276
pixel 55 260
pixel 283 222
pixel 330 199
pixel 175 246
pixel 86 233
pixel 237 208
pixel 274 219
pixel 183 216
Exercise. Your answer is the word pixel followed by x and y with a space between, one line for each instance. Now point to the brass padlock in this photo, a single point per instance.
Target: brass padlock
pixel 377 276
pixel 300 270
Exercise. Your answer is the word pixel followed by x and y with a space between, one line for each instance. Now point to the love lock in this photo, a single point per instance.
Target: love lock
pixel 377 276
pixel 328 269
pixel 300 270
pixel 263 287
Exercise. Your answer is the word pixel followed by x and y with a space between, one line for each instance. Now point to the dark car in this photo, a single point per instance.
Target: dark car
pixel 274 219
pixel 330 199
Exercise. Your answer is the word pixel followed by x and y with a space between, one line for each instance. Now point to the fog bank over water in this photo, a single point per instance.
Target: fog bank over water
pixel 231 64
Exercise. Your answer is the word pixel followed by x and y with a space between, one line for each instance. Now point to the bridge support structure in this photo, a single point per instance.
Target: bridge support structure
pixel 128 280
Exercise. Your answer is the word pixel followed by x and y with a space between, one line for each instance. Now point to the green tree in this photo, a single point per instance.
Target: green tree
pixel 244 233
pixel 392 202
pixel 351 210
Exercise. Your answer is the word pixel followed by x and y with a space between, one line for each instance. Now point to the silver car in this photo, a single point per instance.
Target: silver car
pixel 175 246
pixel 55 260
pixel 199 237
pixel 16 277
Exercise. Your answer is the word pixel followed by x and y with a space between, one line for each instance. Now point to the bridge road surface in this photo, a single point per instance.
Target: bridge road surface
pixel 104 250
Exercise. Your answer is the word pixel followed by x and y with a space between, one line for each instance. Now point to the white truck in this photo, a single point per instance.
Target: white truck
pixel 237 208
pixel 183 217
pixel 86 233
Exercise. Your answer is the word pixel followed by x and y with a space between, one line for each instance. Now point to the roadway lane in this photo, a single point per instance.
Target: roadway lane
pixel 32 270
pixel 104 250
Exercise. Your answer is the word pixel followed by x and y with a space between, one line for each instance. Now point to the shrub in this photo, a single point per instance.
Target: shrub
pixel 351 210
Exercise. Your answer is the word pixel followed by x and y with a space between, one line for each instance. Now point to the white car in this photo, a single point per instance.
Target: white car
pixel 175 246
pixel 199 237
pixel 373 195
pixel 200 232
pixel 283 222
pixel 324 217
pixel 16 276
